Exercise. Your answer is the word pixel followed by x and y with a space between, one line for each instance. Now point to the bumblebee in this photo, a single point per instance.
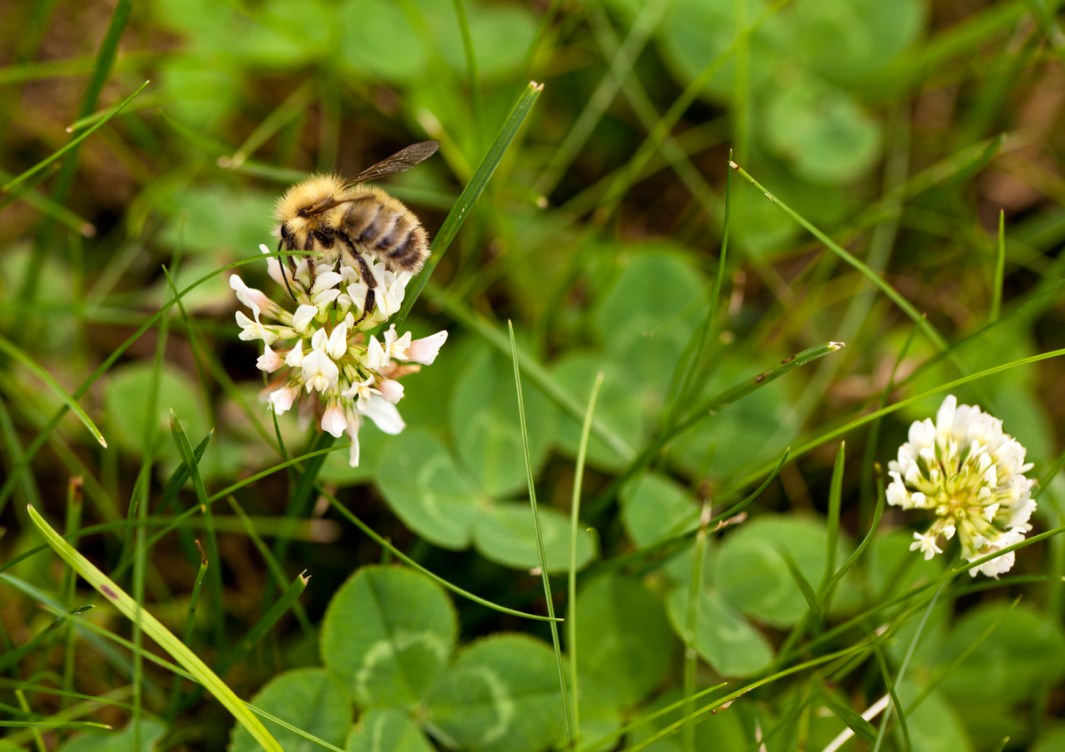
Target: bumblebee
pixel 344 220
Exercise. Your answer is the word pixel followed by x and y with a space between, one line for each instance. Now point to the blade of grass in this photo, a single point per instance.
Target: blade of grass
pixel 893 683
pixel 670 546
pixel 904 305
pixel 190 624
pixel 687 367
pixel 18 180
pixel 289 597
pixel 574 523
pixel 11 445
pixel 878 512
pixel 177 479
pixel 861 620
pixel 834 433
pixel 691 623
pixel 535 372
pixel 468 198
pixel 856 722
pixel 343 511
pixel 102 641
pixel 571 732
pixel 303 496
pixel 43 434
pixel 89 705
pixel 104 62
pixel 276 572
pixel 21 357
pixel 206 360
pixel 621 64
pixel 243 483
pixel 660 133
pixel 944 672
pixel 292 107
pixel 138 514
pixel 835 503
pixel 860 647
pixel 215 591
pixel 473 77
pixel 295 730
pixel 954 41
pixel 49 208
pixel 42 639
pixel 710 407
pixel 1000 269
pixel 68 725
pixel 71 525
pixel 160 634
pixel 881 243
pixel 717 403
pixel 804 586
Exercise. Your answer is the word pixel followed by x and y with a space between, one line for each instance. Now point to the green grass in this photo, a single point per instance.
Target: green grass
pixel 701 263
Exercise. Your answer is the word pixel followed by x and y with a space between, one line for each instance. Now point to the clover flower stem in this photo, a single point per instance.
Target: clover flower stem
pixel 302 496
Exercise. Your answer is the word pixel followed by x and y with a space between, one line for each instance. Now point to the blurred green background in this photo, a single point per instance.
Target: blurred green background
pixel 910 133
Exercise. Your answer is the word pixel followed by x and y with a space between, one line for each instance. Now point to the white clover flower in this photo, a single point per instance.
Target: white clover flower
pixel 970 474
pixel 320 349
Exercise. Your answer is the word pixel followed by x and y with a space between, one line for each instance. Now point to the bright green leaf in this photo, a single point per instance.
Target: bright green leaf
pixel 504 533
pixel 1025 652
pixel 308 698
pixel 934 725
pixel 648 314
pixel 502 695
pixel 847 40
pixel 217 221
pixel 820 132
pixel 380 42
pixel 654 508
pixel 387 730
pixel 615 409
pixel 751 571
pixel 696 34
pixel 484 421
pixel 387 635
pixel 126 405
pixel 624 643
pixel 428 491
pixel 289 33
pixel 726 640
pixel 748 433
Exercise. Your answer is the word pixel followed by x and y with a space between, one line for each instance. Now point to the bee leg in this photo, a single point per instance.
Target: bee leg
pixel 367 304
pixel 371 283
pixel 283 261
pixel 367 277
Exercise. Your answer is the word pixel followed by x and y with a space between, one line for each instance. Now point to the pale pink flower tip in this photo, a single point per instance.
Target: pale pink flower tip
pixel 425 350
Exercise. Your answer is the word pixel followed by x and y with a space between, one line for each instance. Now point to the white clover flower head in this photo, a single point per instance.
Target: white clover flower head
pixel 970 474
pixel 319 350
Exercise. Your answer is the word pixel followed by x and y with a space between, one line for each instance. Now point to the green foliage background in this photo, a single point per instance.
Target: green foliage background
pixel 725 532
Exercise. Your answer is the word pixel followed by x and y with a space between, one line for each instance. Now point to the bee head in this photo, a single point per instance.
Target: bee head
pixel 303 201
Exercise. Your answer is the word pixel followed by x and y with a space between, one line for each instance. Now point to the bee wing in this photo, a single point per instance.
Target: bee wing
pixel 401 161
